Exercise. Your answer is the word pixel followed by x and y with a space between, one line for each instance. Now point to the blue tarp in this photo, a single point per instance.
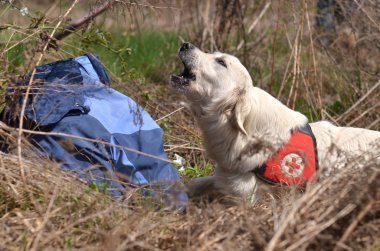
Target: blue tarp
pixel 74 97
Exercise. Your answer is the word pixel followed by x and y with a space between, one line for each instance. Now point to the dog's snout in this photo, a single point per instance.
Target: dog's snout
pixel 186 46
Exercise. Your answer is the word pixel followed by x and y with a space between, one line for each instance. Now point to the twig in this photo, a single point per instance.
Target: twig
pixel 46 219
pixel 19 42
pixel 316 230
pixel 164 117
pixel 81 220
pixel 253 25
pixel 330 118
pixel 373 123
pixel 353 224
pixel 313 56
pixel 306 199
pixel 359 101
pixel 76 24
pixel 286 69
pixel 86 139
pixel 273 49
pixel 372 108
pixel 147 5
pixel 369 17
pixel 174 147
pixel 295 66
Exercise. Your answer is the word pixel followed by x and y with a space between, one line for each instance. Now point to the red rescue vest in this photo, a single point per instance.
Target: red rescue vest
pixel 295 163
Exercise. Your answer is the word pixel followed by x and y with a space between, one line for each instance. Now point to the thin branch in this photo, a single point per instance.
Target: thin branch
pixel 167 115
pixel 353 224
pixel 147 5
pixel 86 139
pixel 253 25
pixel 96 12
pixel 364 97
pixel 78 23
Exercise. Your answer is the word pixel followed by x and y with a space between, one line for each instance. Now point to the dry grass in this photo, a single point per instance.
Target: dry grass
pixel 52 209
pixel 278 42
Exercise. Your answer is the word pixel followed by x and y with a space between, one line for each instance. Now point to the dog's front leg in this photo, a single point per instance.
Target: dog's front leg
pixel 202 186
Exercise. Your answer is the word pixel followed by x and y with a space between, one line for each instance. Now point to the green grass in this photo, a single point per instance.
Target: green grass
pixel 14 56
pixel 141 54
pixel 198 170
pixel 136 55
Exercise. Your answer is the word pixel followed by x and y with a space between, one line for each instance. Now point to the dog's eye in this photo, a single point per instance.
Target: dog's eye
pixel 221 62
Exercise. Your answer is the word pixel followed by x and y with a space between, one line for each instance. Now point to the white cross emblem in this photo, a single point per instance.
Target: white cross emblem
pixel 292 165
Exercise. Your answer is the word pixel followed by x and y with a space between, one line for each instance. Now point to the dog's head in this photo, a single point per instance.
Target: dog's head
pixel 209 74
pixel 217 79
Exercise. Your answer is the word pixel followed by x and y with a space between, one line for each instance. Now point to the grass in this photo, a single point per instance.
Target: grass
pixel 52 210
pixel 198 170
pixel 140 54
pixel 134 55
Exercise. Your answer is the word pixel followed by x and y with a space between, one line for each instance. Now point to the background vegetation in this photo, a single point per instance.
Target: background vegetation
pixel 283 49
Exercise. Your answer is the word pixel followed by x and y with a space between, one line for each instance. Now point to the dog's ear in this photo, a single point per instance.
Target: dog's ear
pixel 237 108
pixel 239 114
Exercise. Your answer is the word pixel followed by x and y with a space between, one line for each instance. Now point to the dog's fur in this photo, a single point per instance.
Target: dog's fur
pixel 243 126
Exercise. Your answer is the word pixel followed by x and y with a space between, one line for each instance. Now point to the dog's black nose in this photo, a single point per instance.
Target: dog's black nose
pixel 186 46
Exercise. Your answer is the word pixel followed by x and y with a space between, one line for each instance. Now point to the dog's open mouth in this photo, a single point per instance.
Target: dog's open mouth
pixel 184 77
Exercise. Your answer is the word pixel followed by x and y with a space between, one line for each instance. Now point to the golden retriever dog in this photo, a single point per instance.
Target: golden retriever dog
pixel 245 130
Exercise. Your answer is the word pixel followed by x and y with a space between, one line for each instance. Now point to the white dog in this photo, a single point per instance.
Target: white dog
pixel 252 136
